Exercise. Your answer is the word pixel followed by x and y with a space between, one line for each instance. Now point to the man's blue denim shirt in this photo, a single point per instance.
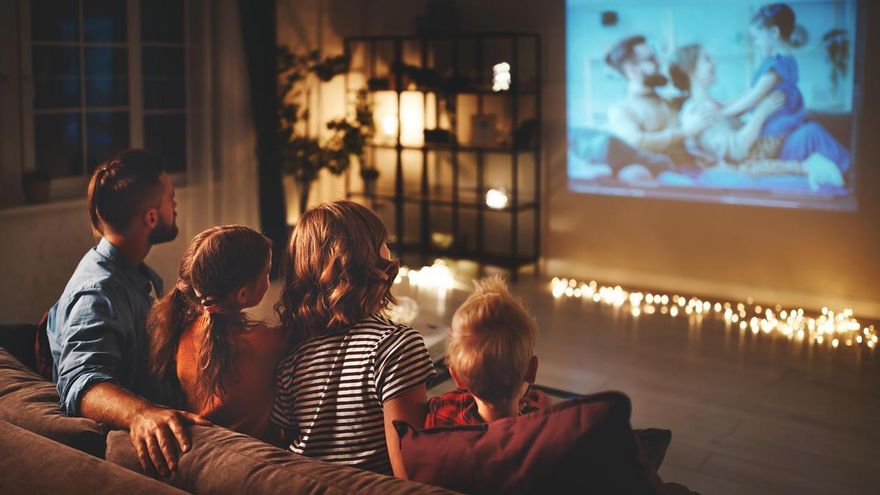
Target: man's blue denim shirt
pixel 98 328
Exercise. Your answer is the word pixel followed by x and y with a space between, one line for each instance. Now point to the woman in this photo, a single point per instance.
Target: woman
pixel 351 371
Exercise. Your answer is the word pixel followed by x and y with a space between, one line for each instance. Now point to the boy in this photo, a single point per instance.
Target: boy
pixel 491 359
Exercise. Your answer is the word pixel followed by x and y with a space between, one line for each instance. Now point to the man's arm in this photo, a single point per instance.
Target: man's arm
pixel 623 123
pixel 91 339
pixel 156 432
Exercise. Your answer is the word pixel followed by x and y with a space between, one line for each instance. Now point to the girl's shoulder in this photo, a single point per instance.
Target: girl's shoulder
pixel 265 336
pixel 784 65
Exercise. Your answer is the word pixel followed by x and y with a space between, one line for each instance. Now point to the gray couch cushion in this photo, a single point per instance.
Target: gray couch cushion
pixel 33 464
pixel 28 401
pixel 222 461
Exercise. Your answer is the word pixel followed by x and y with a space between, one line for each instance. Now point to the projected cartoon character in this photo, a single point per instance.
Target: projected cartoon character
pixel 785 134
pixel 728 141
pixel 643 119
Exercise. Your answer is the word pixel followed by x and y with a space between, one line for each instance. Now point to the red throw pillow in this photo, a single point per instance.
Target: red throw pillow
pixel 585 445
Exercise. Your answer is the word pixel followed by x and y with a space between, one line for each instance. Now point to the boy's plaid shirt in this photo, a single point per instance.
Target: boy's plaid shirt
pixel 456 408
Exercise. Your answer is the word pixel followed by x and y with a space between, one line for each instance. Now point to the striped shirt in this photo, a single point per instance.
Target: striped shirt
pixel 331 389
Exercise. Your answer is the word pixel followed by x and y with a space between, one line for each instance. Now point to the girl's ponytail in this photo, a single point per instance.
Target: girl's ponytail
pixel 167 320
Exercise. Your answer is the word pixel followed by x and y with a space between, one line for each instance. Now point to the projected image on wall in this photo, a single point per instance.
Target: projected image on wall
pixel 735 101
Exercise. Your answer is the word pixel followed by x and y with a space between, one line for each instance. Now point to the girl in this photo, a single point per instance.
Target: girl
pixel 351 371
pixel 785 134
pixel 212 358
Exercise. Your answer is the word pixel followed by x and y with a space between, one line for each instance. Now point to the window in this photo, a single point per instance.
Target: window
pixel 106 75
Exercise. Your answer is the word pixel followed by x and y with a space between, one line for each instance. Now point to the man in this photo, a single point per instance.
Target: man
pixel 97 329
pixel 643 119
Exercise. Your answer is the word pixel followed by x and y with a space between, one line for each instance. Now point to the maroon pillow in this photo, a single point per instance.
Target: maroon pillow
pixel 584 445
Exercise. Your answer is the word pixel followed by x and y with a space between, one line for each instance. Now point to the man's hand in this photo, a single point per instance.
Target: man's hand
pixel 158 433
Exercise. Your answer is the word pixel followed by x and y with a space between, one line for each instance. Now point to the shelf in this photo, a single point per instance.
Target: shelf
pixel 470 204
pixel 523 91
pixel 392 65
pixel 449 37
pixel 453 147
pixel 496 259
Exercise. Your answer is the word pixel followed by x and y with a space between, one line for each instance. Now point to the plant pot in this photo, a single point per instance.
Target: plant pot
pixel 304 187
pixel 36 190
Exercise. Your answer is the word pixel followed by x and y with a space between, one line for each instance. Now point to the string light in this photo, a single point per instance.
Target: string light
pixel 833 327
pixel 436 276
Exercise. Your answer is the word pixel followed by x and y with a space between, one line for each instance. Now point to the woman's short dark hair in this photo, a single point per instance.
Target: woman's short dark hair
pixel 123 187
pixel 623 51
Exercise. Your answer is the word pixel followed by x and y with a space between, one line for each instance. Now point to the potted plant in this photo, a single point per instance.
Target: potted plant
pixel 36 185
pixel 370 176
pixel 304 156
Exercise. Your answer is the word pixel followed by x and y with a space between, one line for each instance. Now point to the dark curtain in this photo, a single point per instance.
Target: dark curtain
pixel 258 32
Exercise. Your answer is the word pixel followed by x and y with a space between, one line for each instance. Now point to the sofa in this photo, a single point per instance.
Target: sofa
pixel 583 445
pixel 44 451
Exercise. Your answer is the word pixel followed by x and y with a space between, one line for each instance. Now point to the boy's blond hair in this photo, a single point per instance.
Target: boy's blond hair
pixel 492 342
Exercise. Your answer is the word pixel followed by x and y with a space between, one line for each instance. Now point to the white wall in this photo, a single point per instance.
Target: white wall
pixel 792 257
pixel 42 244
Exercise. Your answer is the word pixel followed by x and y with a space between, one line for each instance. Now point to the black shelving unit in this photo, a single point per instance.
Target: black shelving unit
pixel 451 69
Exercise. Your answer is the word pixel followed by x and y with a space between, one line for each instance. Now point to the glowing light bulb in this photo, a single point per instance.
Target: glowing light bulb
pixel 501 77
pixel 496 198
pixel 389 125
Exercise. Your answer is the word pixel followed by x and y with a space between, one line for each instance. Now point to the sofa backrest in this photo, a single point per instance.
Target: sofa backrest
pixel 29 401
pixel 222 461
pixel 31 463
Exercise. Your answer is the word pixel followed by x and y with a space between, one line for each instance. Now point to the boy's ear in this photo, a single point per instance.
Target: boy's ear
pixel 455 378
pixel 532 371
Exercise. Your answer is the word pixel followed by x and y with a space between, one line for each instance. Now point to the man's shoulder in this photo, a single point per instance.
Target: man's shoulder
pixel 94 275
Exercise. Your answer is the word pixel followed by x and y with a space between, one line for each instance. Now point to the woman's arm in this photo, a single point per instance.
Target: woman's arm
pixel 753 96
pixel 410 407
pixel 742 141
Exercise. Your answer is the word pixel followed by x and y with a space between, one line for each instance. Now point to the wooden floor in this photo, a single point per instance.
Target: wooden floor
pixel 750 414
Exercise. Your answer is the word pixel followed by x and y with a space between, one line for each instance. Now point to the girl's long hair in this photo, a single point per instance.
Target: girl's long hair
pixel 217 263
pixel 334 275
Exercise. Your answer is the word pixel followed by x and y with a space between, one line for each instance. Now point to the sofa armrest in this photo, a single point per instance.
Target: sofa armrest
pixel 29 401
pixel 31 463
